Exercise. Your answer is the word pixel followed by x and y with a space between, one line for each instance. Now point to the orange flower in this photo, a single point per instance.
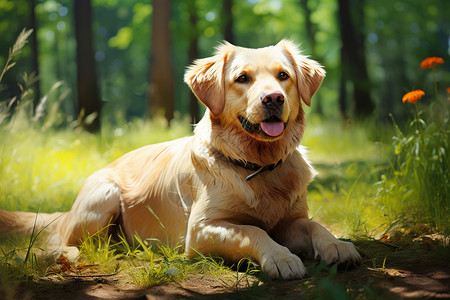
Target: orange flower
pixel 448 90
pixel 430 62
pixel 413 96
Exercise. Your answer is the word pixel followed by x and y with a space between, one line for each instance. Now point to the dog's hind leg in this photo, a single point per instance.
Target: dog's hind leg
pixel 96 206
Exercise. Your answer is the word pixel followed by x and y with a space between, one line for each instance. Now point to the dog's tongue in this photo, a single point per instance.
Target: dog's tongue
pixel 272 128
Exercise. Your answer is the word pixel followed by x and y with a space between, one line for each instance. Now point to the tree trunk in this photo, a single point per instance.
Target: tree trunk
pixel 161 95
pixel 228 21
pixel 88 97
pixel 34 55
pixel 193 54
pixel 343 91
pixel 311 34
pixel 353 60
pixel 310 31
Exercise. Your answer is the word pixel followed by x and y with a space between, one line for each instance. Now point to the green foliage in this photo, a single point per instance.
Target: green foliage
pixel 419 178
pixel 397 34
pixel 20 261
pixel 149 262
pixel 99 248
pixel 166 265
pixel 418 183
pixel 324 284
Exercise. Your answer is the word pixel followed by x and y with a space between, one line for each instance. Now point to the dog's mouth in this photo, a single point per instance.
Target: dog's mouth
pixel 272 126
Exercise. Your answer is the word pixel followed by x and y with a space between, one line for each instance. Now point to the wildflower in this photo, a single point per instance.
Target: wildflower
pixel 448 90
pixel 430 62
pixel 413 96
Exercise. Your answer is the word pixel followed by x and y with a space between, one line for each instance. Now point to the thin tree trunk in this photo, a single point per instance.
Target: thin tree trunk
pixel 193 54
pixel 161 95
pixel 346 41
pixel 88 96
pixel 343 93
pixel 364 106
pixel 353 60
pixel 34 54
pixel 311 33
pixel 228 21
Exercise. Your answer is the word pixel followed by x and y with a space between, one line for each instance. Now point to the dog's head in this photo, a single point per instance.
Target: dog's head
pixel 256 92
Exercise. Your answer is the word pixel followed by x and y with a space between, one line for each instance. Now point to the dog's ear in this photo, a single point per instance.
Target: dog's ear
pixel 206 78
pixel 309 72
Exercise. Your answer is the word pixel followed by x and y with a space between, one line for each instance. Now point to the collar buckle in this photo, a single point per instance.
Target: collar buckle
pixel 254 167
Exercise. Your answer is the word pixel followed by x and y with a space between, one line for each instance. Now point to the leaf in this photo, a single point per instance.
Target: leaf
pixel 123 38
pixel 61 260
pixel 90 118
pixel 65 265
pixel 398 149
pixel 81 267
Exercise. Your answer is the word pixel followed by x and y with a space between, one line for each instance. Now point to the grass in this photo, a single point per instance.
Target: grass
pixel 43 170
pixel 149 262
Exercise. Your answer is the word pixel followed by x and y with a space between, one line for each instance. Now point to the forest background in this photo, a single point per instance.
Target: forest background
pixel 130 56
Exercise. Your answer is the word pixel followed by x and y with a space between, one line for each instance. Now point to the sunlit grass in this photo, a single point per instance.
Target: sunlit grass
pixel 43 170
pixel 334 143
pixel 349 163
pixel 149 262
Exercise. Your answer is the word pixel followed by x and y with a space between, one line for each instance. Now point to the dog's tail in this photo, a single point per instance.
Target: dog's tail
pixel 19 222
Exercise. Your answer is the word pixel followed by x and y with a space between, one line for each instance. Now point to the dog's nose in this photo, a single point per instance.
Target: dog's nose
pixel 275 98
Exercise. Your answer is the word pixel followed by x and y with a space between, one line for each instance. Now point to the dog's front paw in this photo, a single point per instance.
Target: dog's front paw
pixel 337 251
pixel 281 263
pixel 72 253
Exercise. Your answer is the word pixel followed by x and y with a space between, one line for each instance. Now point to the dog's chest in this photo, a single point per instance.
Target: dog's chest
pixel 270 203
pixel 270 211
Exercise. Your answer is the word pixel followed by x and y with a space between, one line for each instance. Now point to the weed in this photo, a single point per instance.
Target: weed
pixel 164 266
pixel 16 50
pixel 99 247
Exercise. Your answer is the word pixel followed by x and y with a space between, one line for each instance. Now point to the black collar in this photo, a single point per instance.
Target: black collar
pixel 254 167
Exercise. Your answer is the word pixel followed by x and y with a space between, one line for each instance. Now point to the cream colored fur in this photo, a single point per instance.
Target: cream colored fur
pixel 186 191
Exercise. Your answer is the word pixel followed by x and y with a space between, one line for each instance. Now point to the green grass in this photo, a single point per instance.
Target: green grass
pixel 43 170
pixel 149 262
pixel 349 163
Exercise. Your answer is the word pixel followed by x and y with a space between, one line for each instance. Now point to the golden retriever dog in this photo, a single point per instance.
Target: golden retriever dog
pixel 236 188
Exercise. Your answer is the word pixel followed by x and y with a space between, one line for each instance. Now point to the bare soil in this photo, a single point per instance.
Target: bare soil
pixel 407 269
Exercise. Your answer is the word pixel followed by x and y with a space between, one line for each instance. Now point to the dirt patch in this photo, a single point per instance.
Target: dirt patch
pixel 389 271
pixel 419 281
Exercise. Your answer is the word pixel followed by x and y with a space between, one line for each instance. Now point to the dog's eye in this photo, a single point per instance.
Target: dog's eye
pixel 283 76
pixel 243 79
